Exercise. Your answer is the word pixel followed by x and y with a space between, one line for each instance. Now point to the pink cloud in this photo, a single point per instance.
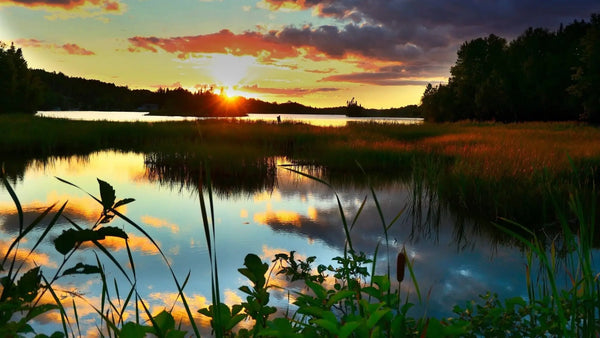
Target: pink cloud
pixel 107 5
pixel 69 48
pixel 291 92
pixel 171 86
pixel 74 49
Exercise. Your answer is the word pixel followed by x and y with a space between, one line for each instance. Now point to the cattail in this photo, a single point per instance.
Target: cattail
pixel 400 264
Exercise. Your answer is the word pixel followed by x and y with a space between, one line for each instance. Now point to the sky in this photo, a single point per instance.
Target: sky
pixel 320 53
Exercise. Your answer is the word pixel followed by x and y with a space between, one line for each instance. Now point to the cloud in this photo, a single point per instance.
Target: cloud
pixel 171 86
pixel 74 49
pixel 320 71
pixel 289 92
pixel 413 30
pixel 224 42
pixel 380 79
pixel 30 260
pixel 160 223
pixel 85 8
pixel 466 17
pixel 69 48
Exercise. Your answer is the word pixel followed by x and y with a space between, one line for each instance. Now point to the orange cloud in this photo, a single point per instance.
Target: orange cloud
pixel 69 48
pixel 136 243
pixel 282 217
pixel 30 260
pixel 168 299
pixel 106 5
pixel 225 41
pixel 160 223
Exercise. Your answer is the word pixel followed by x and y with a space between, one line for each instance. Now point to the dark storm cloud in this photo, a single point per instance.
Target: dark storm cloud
pixel 368 41
pixel 423 25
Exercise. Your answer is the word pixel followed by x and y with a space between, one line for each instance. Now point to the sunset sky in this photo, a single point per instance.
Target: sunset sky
pixel 316 52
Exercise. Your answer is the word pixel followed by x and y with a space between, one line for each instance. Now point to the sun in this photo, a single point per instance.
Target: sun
pixel 228 70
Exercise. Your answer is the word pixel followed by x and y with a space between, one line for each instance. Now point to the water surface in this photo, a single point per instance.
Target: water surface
pixel 314 119
pixel 283 212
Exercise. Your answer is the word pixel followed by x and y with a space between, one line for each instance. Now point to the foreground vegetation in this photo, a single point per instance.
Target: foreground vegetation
pixel 346 298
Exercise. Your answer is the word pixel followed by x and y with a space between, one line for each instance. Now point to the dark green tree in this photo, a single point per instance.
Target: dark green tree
pixel 586 79
pixel 438 104
pixel 19 90
pixel 477 78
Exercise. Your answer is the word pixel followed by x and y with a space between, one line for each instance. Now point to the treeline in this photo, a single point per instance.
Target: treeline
pixel 541 76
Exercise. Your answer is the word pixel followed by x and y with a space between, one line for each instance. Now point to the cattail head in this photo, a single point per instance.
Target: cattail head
pixel 400 264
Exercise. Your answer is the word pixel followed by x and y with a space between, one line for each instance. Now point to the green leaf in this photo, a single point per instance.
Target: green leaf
pixel 28 284
pixel 134 330
pixel 82 269
pixel 123 202
pixel 234 321
pixel 348 328
pixel 383 282
pixel 66 241
pixel 327 325
pixel 245 289
pixel 311 311
pixel 256 268
pixel 339 296
pixel 205 311
pixel 25 328
pixel 164 321
pixel 319 290
pixel 175 334
pixel 107 194
pixel 375 317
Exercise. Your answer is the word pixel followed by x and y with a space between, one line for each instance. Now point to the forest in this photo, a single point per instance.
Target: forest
pixel 539 76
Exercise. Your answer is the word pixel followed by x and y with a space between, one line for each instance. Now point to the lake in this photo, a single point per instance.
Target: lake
pixel 274 211
pixel 318 120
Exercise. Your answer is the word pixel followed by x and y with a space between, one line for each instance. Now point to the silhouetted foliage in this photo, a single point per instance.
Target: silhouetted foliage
pixel 586 80
pixel 19 90
pixel 353 108
pixel 539 76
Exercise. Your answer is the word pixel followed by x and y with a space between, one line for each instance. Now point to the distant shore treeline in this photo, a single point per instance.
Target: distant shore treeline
pixel 540 75
pixel 29 90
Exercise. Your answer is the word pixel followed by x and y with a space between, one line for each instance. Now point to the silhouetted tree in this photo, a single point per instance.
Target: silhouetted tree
pixel 438 104
pixel 19 90
pixel 477 78
pixel 586 78
pixel 353 108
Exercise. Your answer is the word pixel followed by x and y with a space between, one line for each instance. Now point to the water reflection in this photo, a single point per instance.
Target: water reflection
pixel 260 207
pixel 228 176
